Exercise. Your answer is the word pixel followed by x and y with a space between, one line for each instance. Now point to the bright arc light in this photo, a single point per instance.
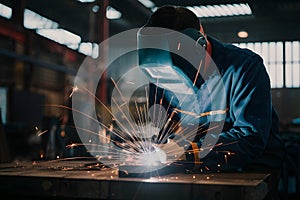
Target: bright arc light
pixel 61 36
pixel 153 158
pixel 221 10
pixel 5 11
pixel 112 13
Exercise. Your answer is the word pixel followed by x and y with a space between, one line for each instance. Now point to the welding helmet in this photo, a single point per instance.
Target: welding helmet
pixel 166 55
pixel 170 59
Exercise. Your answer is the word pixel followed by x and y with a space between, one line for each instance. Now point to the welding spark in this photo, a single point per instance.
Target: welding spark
pixel 75 89
pixel 178 46
pixel 129 142
pixel 41 133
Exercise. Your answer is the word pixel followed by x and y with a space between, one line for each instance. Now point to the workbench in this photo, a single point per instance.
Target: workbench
pixel 84 179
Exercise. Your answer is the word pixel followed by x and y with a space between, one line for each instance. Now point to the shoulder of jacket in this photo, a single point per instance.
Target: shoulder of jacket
pixel 242 52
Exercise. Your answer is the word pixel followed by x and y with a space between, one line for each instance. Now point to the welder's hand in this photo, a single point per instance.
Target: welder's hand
pixel 175 148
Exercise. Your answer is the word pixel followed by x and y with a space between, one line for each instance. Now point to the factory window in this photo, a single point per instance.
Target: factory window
pixel 272 54
pixel 292 64
pixel 3 104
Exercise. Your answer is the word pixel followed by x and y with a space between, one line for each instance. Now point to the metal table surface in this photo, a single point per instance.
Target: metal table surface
pixel 86 180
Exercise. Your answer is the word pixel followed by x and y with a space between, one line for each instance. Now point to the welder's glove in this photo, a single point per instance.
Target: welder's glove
pixel 175 148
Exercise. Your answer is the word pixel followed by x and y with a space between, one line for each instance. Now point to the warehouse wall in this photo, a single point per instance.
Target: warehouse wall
pixel 286 101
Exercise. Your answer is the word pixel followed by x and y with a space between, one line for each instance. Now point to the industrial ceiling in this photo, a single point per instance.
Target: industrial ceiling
pixel 272 20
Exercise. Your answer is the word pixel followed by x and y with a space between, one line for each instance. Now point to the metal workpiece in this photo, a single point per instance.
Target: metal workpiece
pixel 91 180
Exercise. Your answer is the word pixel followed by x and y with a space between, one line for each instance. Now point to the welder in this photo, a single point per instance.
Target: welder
pixel 248 137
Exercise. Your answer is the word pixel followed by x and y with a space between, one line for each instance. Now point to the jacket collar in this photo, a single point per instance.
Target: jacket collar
pixel 218 53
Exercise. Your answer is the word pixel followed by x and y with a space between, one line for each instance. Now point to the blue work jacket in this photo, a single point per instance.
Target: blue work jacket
pixel 251 123
pixel 247 130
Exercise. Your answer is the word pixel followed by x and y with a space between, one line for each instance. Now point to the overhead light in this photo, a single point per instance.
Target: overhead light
pixel 112 13
pixel 5 11
pixel 95 52
pixel 147 3
pixel 86 48
pixel 33 20
pixel 242 34
pixel 154 9
pixel 89 49
pixel 61 36
pixel 221 10
pixel 50 29
pixel 86 1
pixel 95 8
